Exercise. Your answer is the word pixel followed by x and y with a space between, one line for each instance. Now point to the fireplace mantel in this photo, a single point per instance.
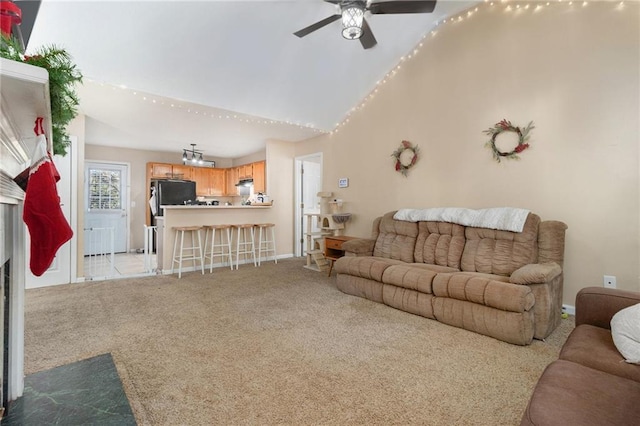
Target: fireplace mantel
pixel 25 97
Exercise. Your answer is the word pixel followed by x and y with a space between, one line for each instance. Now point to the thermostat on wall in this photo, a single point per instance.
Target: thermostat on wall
pixel 343 182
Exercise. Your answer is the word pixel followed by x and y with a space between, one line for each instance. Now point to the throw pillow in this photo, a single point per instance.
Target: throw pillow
pixel 625 330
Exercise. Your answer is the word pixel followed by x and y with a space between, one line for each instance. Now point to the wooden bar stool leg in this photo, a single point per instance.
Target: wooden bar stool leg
pixel 229 250
pixel 213 242
pixel 201 253
pixel 259 245
pixel 273 243
pixel 175 246
pixel 181 250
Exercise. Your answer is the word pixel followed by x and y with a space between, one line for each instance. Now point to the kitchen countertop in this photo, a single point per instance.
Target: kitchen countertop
pixel 213 207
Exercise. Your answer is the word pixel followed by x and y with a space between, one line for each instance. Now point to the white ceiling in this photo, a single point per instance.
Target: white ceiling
pixel 226 75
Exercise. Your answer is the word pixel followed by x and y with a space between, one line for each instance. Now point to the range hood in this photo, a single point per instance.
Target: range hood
pixel 245 182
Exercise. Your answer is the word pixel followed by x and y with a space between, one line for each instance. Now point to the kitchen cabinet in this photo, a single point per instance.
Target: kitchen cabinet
pixel 217 182
pixel 160 170
pixel 209 181
pixel 259 177
pixel 245 171
pixel 182 172
pixel 201 177
pixel 232 179
pixel 169 171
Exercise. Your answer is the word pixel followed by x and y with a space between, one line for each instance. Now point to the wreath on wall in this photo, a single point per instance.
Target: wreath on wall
pixel 506 126
pixel 405 157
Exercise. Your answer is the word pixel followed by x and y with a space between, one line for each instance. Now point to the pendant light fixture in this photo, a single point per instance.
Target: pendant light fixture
pixel 192 155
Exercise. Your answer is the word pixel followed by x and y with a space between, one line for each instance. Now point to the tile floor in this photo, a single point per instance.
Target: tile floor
pixel 87 392
pixel 123 265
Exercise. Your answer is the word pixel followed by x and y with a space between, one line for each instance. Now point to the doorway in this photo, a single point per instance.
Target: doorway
pixel 106 199
pixel 308 184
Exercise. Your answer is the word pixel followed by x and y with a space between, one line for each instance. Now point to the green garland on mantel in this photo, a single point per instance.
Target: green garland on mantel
pixel 63 75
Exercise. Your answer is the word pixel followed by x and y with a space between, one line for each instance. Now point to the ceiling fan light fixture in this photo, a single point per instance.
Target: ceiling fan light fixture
pixel 352 18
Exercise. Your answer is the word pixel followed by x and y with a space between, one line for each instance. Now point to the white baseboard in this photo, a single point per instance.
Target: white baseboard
pixel 222 265
pixel 571 310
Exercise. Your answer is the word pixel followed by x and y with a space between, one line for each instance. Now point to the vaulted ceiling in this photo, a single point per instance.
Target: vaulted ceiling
pixel 226 75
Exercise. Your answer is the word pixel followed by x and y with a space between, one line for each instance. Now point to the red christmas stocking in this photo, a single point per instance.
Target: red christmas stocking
pixel 48 227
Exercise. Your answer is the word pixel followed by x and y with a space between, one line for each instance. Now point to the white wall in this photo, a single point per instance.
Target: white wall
pixel 572 70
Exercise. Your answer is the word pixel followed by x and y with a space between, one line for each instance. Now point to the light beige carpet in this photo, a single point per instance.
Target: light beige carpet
pixel 280 344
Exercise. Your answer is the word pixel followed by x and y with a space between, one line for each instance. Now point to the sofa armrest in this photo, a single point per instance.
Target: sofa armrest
pixel 597 305
pixel 535 273
pixel 359 247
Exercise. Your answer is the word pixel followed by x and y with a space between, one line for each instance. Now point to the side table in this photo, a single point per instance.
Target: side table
pixel 333 248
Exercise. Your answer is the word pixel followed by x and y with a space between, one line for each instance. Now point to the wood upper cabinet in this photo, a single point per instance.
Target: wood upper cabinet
pixel 182 172
pixel 209 181
pixel 169 171
pixel 259 177
pixel 245 171
pixel 160 170
pixel 201 177
pixel 232 179
pixel 217 182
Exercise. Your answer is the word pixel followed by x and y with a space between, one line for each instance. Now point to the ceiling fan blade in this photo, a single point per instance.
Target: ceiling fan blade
pixel 311 28
pixel 390 7
pixel 367 38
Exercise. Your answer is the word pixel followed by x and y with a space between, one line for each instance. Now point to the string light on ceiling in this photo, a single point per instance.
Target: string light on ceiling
pixel 456 20
pixel 219 115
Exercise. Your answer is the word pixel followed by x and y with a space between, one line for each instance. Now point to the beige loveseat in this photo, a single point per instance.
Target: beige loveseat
pixel 507 285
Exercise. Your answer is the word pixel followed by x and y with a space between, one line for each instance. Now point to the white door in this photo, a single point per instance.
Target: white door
pixel 309 183
pixel 60 271
pixel 106 206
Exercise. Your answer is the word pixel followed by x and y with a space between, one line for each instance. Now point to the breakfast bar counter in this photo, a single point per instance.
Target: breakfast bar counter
pixel 201 215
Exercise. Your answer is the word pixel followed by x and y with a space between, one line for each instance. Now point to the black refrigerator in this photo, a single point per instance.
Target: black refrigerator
pixel 171 192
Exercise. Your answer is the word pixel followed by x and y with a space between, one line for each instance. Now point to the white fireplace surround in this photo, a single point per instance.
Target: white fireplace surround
pixel 25 96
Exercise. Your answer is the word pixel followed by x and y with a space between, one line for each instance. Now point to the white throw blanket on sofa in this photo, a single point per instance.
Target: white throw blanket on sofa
pixel 502 218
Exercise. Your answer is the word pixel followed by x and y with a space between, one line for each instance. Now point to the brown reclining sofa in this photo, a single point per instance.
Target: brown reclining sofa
pixel 503 284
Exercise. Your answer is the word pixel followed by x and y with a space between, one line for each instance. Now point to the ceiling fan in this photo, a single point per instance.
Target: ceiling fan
pixel 354 26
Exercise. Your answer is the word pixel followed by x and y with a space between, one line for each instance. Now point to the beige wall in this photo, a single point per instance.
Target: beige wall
pixel 574 71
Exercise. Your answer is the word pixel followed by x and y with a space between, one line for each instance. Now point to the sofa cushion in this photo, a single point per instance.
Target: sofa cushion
pixel 483 291
pixel 511 327
pixel 396 239
pixel 407 276
pixel 625 331
pixel 570 393
pixel 500 252
pixel 593 347
pixel 439 243
pixel 407 300
pixel 364 267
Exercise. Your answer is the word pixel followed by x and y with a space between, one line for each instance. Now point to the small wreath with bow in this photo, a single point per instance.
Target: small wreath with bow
pixel 506 126
pixel 403 164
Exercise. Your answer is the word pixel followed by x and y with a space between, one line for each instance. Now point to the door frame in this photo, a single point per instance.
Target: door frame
pixel 299 246
pixel 127 237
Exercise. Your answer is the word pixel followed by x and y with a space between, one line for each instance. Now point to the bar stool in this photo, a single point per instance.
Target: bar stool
pixel 244 246
pixel 222 248
pixel 267 244
pixel 191 251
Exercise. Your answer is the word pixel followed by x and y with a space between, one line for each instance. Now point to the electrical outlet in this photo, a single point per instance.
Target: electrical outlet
pixel 609 281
